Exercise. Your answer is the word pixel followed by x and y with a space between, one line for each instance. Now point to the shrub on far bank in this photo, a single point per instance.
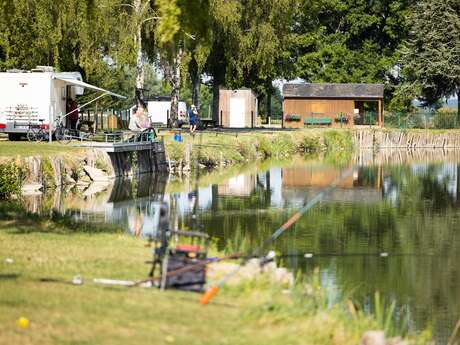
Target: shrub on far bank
pixel 445 120
pixel 10 180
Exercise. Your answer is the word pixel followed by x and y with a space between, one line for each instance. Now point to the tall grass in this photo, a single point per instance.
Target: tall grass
pixel 211 149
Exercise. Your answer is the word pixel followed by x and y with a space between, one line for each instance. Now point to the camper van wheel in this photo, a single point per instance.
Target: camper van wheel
pixel 14 136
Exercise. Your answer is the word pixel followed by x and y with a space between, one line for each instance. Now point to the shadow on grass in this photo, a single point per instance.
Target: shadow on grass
pixel 14 217
pixel 9 276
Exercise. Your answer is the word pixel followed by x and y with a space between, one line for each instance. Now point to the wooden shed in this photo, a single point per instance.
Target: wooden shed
pixel 238 108
pixel 332 105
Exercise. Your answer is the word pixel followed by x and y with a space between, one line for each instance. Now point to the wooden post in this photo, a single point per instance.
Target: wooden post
pixel 379 113
pixel 383 111
pixel 221 123
pixel 96 119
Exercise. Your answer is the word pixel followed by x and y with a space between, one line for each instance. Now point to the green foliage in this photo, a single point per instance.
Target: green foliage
pixel 10 180
pixel 102 164
pixel 48 172
pixel 431 55
pixel 444 120
pixel 236 43
pixel 338 140
pixel 294 118
pixel 309 144
pixel 349 41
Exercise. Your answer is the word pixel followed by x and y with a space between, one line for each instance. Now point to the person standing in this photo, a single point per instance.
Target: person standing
pixel 193 118
pixel 73 113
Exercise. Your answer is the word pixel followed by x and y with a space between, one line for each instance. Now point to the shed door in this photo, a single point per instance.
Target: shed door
pixel 237 106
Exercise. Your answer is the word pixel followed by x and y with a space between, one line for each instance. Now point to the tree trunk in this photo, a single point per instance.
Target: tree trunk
pixel 457 195
pixel 175 85
pixel 215 101
pixel 458 104
pixel 139 58
pixel 269 105
pixel 195 79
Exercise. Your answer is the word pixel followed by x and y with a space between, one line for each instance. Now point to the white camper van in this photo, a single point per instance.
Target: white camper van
pixel 37 98
pixel 160 108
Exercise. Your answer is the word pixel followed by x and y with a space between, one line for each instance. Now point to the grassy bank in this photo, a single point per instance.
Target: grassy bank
pixel 228 148
pixel 47 254
pixel 10 149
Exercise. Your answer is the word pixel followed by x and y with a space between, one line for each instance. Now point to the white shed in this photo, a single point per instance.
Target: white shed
pixel 238 108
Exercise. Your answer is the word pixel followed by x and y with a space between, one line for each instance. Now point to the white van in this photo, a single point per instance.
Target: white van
pixel 160 108
pixel 37 97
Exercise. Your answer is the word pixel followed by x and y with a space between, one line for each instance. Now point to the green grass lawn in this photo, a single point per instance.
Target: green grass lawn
pixel 255 312
pixel 25 148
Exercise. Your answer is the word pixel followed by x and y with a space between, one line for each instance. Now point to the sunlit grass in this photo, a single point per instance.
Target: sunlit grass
pixel 25 148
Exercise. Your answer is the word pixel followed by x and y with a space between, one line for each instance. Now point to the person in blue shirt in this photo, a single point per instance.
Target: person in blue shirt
pixel 193 118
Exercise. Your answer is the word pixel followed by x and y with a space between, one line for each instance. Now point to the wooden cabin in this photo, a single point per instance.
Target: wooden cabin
pixel 334 105
pixel 238 108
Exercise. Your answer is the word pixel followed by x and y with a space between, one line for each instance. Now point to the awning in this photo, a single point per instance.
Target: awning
pixel 88 86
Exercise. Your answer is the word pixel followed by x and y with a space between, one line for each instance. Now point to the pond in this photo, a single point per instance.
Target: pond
pixel 392 225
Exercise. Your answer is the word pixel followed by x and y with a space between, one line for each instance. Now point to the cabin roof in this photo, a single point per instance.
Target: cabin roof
pixel 364 91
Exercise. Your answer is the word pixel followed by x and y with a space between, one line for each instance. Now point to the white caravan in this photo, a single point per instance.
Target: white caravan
pixel 160 109
pixel 38 97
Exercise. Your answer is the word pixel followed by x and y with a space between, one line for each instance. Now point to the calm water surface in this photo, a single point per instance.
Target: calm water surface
pixel 393 225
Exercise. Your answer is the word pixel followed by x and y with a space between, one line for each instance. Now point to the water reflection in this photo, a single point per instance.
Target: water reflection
pixel 409 210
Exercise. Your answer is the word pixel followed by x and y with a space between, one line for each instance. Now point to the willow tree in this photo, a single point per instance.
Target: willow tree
pixel 199 47
pixel 432 55
pixel 249 40
pixel 265 32
pixel 54 33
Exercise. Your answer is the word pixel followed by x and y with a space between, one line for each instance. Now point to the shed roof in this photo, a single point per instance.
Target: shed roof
pixel 367 91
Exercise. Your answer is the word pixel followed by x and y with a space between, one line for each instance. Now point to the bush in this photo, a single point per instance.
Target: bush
pixel 417 121
pixel 338 140
pixel 309 145
pixel 445 120
pixel 10 180
pixel 293 118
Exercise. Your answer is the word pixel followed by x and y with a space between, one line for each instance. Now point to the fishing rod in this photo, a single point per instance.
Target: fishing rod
pixel 212 291
pixel 188 268
pixel 380 254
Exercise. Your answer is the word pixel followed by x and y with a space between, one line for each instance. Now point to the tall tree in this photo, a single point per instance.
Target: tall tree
pixel 135 41
pixel 249 44
pixel 432 55
pixel 350 41
pixel 171 49
pixel 178 29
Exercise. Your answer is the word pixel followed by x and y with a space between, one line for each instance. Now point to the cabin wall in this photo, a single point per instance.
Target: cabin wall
pixel 317 108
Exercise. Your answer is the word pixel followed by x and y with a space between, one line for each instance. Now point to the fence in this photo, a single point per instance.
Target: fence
pixel 423 120
pixel 107 119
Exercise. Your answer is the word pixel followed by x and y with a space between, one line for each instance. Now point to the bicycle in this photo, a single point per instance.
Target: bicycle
pixel 37 132
pixel 61 133
pixel 65 135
